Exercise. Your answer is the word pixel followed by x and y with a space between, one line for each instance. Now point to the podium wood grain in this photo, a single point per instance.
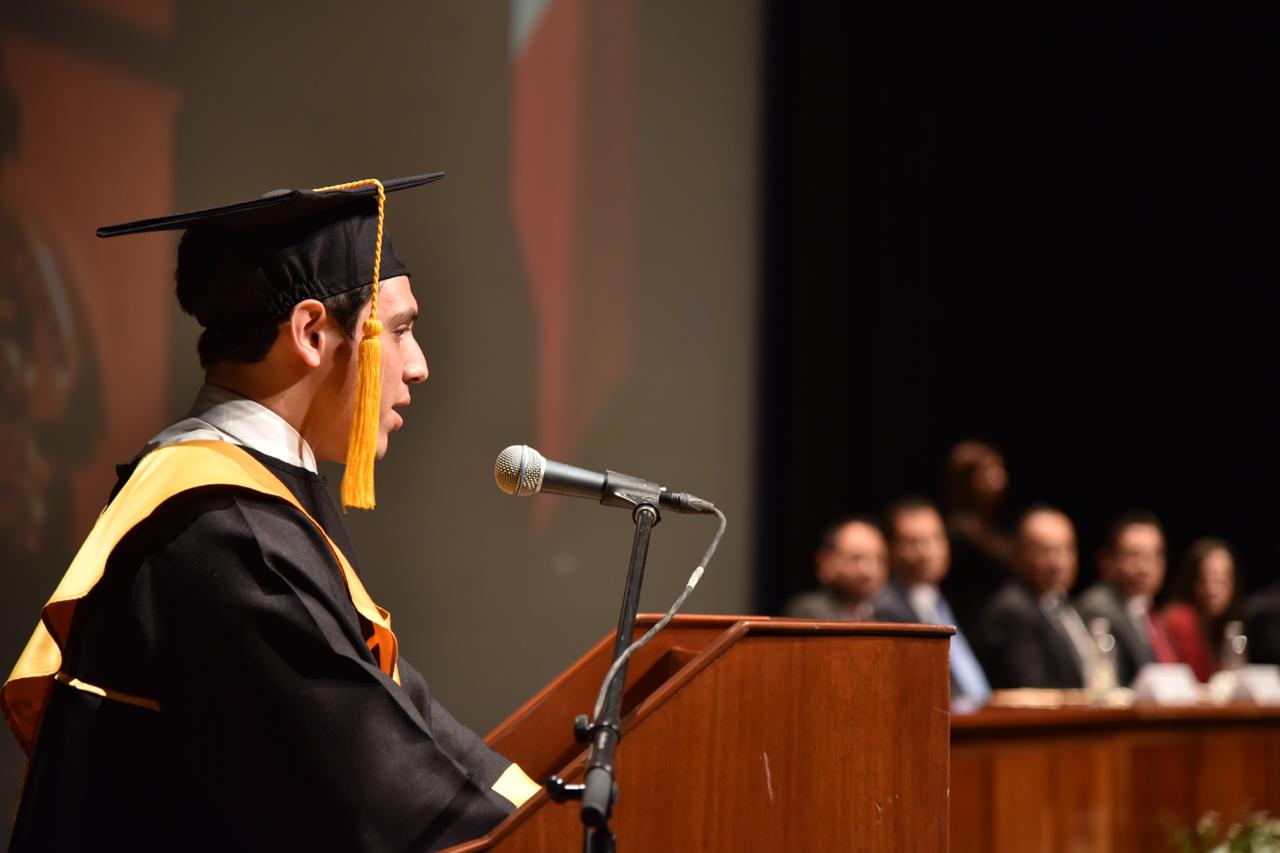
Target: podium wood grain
pixel 745 733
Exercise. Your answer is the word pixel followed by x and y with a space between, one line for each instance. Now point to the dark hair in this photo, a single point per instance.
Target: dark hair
pixel 963 459
pixel 1125 520
pixel 827 539
pixel 238 328
pixel 345 307
pixel 1183 586
pixel 910 503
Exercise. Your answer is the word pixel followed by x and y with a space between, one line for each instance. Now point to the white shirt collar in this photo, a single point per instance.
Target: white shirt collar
pixel 863 611
pixel 1050 600
pixel 221 415
pixel 1138 605
pixel 923 598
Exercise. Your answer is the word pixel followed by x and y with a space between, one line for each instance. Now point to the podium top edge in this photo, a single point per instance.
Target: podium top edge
pixel 776 625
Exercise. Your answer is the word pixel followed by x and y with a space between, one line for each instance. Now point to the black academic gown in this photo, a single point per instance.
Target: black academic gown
pixel 276 729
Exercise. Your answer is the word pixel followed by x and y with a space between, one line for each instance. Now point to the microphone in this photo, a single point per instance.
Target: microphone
pixel 520 470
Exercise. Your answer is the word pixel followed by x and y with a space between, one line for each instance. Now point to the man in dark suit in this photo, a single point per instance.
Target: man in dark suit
pixel 1132 565
pixel 920 558
pixel 1262 625
pixel 851 564
pixel 1031 636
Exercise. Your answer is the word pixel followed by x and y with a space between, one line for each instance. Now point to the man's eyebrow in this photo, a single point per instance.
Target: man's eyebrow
pixel 402 317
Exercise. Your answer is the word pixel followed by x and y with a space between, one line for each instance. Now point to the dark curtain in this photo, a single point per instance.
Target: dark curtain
pixel 1051 226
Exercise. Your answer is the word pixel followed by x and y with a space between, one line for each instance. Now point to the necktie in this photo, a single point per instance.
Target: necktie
pixel 1161 648
pixel 1079 640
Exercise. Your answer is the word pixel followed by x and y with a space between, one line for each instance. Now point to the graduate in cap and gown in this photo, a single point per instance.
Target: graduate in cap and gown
pixel 211 674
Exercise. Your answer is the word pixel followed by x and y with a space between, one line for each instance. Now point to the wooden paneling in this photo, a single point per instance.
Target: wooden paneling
pixel 1106 780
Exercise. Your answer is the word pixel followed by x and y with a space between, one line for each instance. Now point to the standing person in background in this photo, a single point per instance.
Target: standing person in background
pixel 976 488
pixel 1202 603
pixel 852 564
pixel 1131 564
pixel 920 557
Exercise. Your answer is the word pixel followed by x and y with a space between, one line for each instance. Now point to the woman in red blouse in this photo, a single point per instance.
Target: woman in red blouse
pixel 1203 601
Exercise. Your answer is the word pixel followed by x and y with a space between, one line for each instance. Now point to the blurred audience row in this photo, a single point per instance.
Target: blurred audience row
pixel 1018 625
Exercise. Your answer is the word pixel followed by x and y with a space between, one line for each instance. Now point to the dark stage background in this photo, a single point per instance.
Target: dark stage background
pixel 1047 225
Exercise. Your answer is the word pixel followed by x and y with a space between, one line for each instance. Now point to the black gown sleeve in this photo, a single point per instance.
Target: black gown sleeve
pixel 293 737
pixel 453 736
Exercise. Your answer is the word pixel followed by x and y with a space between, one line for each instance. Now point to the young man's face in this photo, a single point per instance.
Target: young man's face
pixel 403 364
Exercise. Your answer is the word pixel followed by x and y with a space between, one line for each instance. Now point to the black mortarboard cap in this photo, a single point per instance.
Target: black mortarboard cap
pixel 272 252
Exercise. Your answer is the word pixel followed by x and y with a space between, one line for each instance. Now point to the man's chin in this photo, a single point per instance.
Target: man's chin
pixel 391 421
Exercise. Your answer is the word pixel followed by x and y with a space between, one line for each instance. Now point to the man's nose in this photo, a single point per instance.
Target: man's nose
pixel 415 369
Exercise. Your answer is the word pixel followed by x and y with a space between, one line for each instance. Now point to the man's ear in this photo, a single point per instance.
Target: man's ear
pixel 306 331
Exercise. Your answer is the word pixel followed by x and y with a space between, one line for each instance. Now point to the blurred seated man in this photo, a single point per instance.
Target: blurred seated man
pixel 1262 626
pixel 919 557
pixel 1131 564
pixel 851 564
pixel 1031 635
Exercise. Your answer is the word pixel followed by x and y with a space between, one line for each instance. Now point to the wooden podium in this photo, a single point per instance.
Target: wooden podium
pixel 750 733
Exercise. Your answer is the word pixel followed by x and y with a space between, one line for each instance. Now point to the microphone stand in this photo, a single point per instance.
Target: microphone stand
pixel 599 790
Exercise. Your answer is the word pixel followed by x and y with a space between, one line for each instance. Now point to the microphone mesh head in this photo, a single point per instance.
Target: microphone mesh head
pixel 518 470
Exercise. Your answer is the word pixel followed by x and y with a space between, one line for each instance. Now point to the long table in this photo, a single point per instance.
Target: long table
pixel 1106 780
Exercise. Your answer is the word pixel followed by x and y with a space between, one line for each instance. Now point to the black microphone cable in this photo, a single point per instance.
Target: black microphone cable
pixel 661 623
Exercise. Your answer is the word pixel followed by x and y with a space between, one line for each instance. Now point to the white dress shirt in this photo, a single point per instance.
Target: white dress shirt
pixel 222 415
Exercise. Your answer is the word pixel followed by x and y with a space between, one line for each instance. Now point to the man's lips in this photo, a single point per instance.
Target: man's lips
pixel 398 418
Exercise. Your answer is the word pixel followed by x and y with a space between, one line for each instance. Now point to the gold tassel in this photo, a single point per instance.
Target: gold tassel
pixel 362 445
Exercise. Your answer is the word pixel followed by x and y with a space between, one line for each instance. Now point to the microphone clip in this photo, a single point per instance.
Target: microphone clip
pixel 633 493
